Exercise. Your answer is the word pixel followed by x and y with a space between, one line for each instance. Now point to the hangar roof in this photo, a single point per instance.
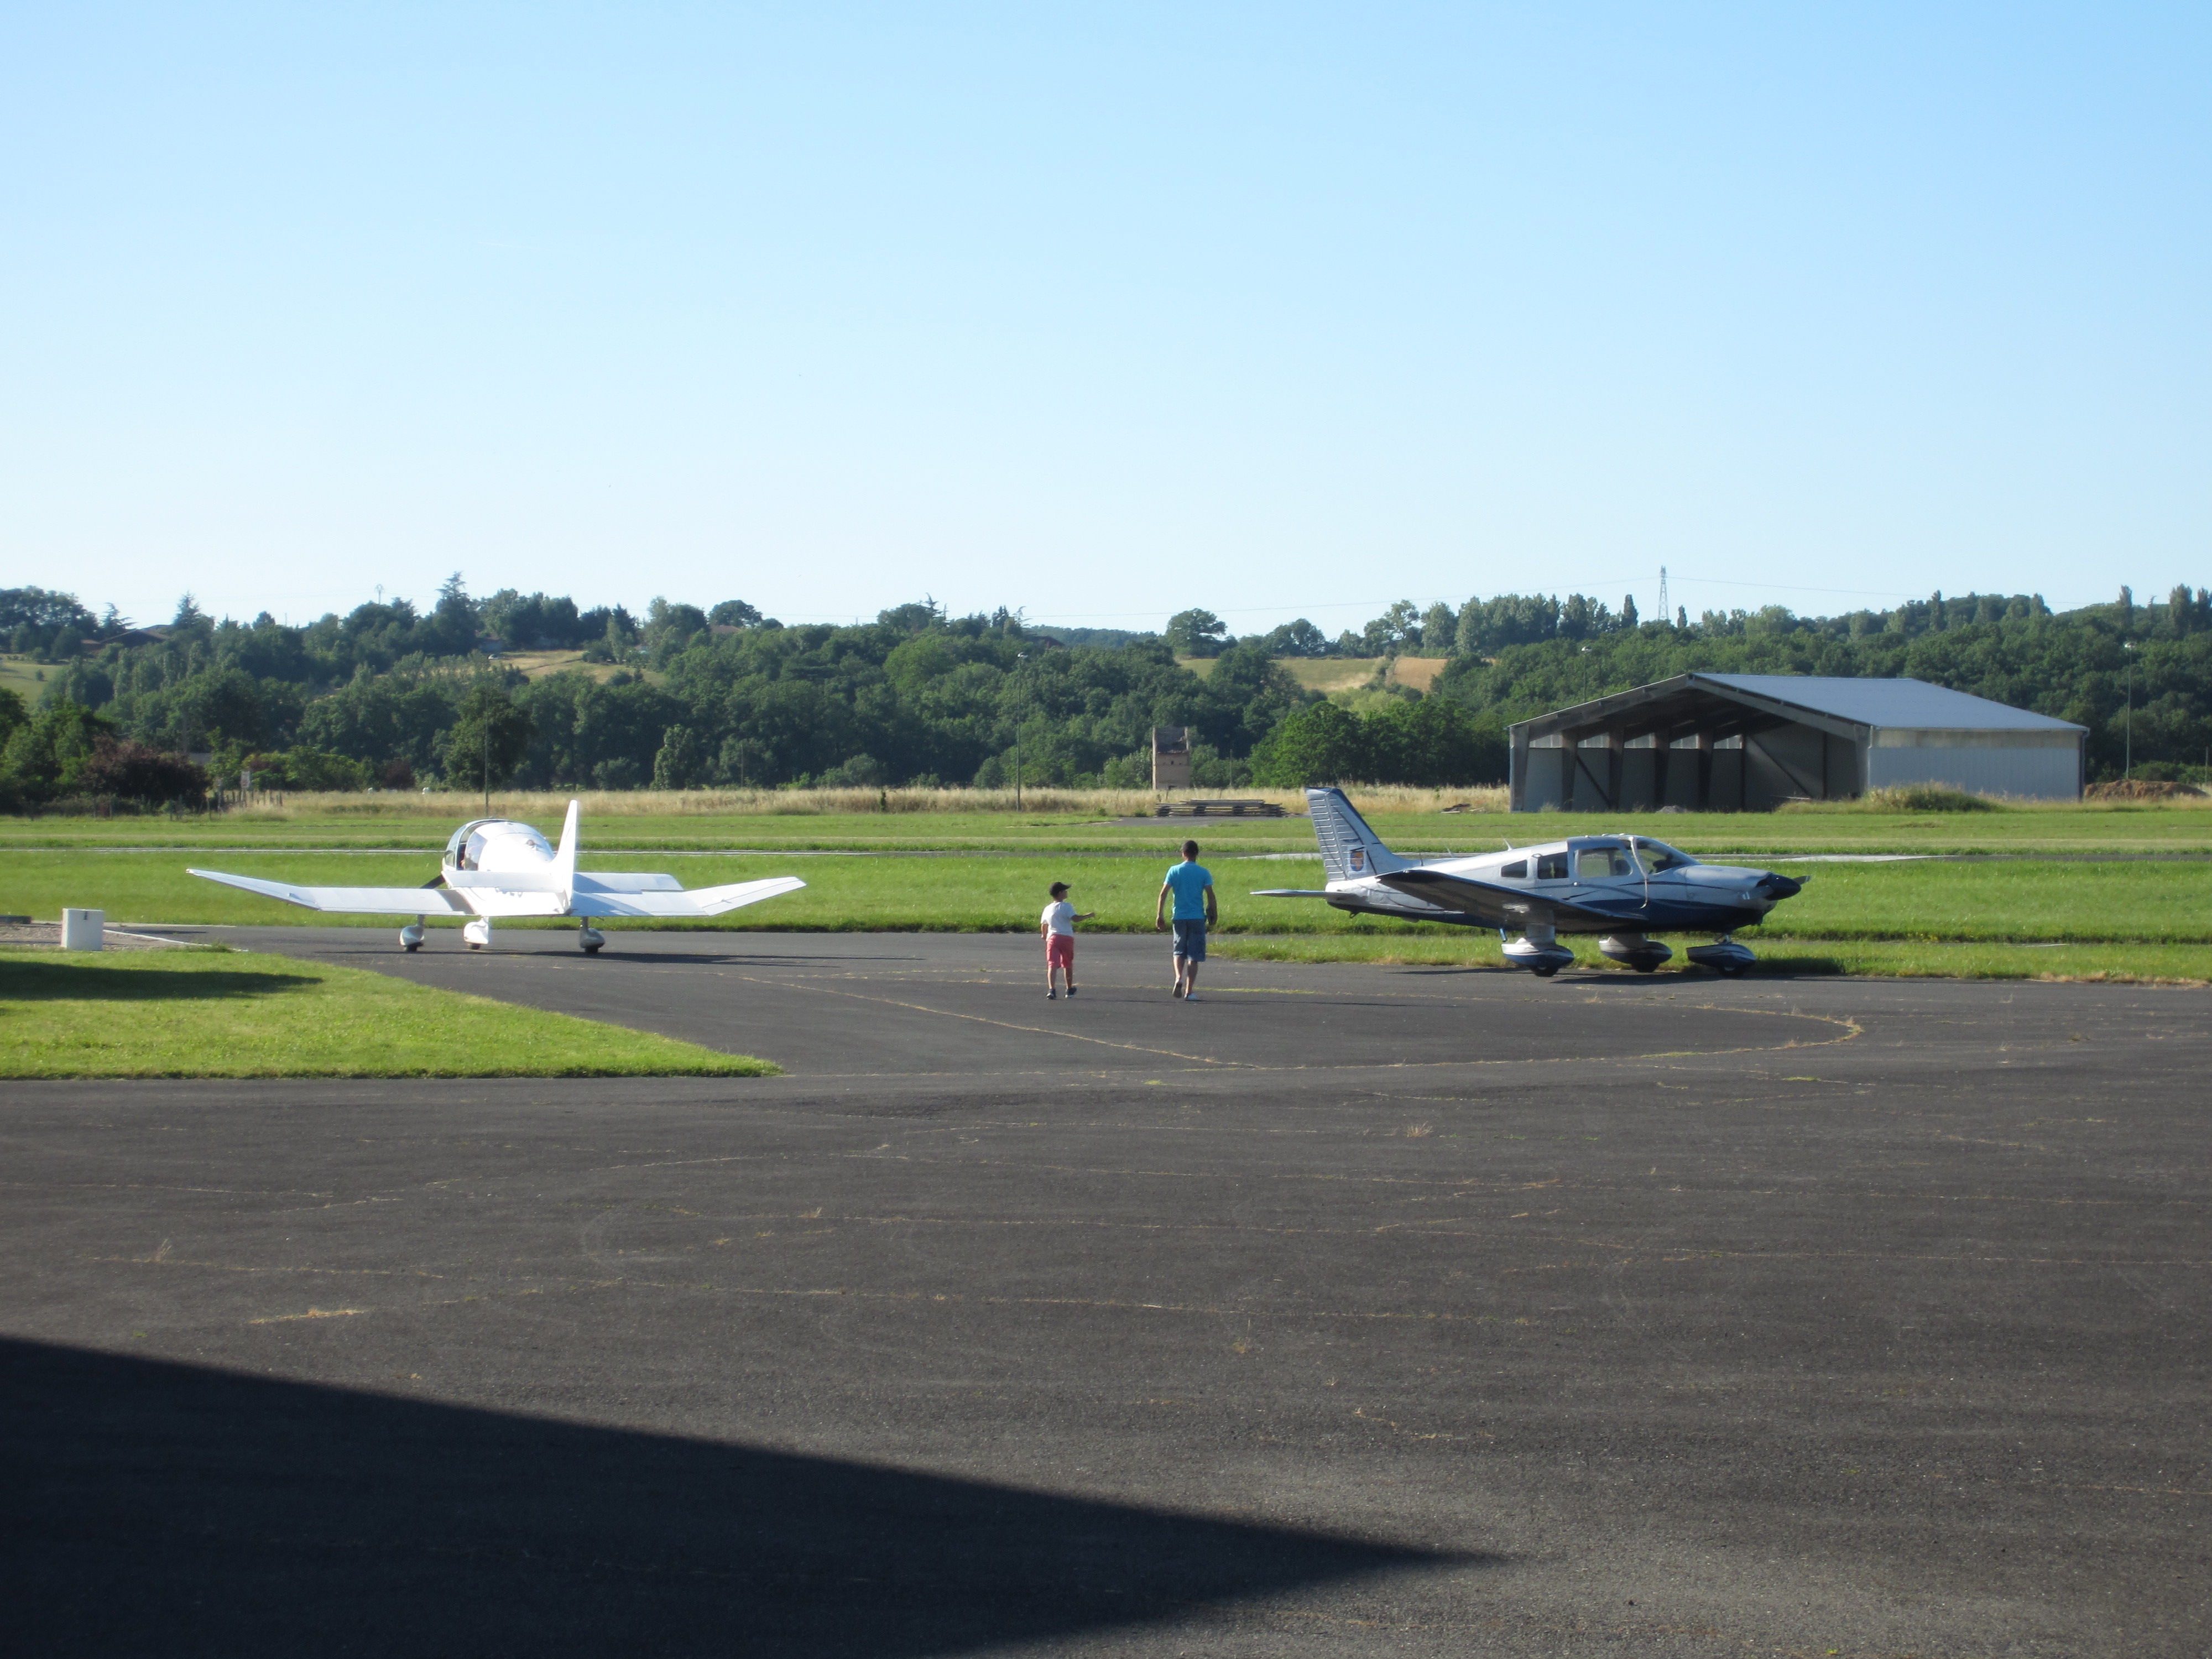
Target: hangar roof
pixel 1901 702
pixel 1894 704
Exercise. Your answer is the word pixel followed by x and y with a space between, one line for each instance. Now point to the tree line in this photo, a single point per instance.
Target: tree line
pixel 683 696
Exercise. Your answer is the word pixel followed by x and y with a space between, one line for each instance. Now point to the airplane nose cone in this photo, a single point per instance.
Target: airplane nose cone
pixel 1778 888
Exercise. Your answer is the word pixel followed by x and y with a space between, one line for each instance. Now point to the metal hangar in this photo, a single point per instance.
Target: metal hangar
pixel 1746 743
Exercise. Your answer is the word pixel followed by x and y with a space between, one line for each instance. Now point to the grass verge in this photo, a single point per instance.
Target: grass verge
pixel 2156 964
pixel 223 1013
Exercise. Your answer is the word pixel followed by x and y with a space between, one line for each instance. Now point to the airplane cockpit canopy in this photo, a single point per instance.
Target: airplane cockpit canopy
pixel 465 849
pixel 1601 856
pixel 1657 856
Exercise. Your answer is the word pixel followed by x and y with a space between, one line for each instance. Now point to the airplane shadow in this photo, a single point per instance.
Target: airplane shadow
pixel 171 1508
pixel 60 980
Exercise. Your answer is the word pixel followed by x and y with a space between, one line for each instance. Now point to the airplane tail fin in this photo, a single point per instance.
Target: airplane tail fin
pixel 564 856
pixel 1349 850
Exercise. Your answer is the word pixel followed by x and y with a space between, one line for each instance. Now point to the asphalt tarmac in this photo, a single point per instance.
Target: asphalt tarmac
pixel 1350 1311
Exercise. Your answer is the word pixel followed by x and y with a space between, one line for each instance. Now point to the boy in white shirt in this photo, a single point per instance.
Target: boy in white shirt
pixel 1056 926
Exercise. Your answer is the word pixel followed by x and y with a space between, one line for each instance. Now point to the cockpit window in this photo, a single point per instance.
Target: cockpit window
pixel 1551 867
pixel 1603 861
pixel 1515 872
pixel 1657 856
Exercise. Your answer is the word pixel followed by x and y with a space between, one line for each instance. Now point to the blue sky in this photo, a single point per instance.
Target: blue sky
pixel 1100 314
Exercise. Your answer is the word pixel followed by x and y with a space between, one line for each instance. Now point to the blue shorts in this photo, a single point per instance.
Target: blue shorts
pixel 1190 938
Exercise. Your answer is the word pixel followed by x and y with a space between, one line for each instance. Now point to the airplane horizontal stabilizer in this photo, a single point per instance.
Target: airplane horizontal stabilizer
pixel 700 902
pixel 606 881
pixel 510 881
pixel 360 900
pixel 1493 904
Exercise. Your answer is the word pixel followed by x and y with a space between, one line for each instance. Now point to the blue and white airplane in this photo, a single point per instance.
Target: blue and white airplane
pixel 1622 887
pixel 497 867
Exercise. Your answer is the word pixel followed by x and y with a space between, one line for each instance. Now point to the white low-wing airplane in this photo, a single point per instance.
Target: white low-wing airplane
pixel 497 867
pixel 1623 887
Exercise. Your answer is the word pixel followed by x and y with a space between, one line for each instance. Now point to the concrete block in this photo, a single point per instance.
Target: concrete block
pixel 83 930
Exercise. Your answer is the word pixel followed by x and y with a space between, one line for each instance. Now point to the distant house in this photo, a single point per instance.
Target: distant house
pixel 1738 743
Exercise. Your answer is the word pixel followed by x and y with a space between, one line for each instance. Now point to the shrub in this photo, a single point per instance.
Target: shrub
pixel 1927 798
pixel 131 771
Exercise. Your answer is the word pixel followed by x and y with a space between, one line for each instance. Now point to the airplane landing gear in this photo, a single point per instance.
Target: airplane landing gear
pixel 591 938
pixel 1724 957
pixel 410 936
pixel 1539 951
pixel 477 932
pixel 1634 950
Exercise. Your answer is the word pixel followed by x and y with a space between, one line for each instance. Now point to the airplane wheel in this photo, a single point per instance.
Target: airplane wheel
pixel 412 949
pixel 1543 973
pixel 1731 973
pixel 1645 967
pixel 476 947
pixel 591 950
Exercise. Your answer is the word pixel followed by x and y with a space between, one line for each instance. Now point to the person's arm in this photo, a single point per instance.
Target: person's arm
pixel 1160 910
pixel 1212 914
pixel 1086 915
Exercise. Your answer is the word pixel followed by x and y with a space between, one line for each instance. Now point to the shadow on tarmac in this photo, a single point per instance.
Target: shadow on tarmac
pixel 172 1509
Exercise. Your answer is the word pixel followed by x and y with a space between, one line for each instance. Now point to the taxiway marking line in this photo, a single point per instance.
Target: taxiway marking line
pixel 1004 1024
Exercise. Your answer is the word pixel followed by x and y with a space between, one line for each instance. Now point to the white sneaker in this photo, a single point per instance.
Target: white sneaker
pixel 1190 996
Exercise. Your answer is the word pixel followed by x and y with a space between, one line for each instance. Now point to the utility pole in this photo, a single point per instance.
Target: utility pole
pixel 2128 722
pixel 485 731
pixel 1020 657
pixel 1666 614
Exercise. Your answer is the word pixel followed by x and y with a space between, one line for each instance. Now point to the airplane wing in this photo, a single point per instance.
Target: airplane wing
pixel 1290 892
pixel 699 902
pixel 361 900
pixel 1494 903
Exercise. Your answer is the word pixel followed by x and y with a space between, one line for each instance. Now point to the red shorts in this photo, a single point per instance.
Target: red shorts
pixel 1060 952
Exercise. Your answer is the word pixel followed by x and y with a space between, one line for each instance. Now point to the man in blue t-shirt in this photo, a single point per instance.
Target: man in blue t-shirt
pixel 1192 886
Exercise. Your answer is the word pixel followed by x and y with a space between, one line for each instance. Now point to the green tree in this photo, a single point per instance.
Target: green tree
pixel 1296 639
pixel 47 755
pixel 1197 634
pixel 1320 744
pixel 676 766
pixel 489 739
pixel 1439 631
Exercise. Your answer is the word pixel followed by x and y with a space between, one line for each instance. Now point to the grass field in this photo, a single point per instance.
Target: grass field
pixel 2147 902
pixel 1335 674
pixel 223 1013
pixel 995 864
pixel 23 676
pixel 1061 823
